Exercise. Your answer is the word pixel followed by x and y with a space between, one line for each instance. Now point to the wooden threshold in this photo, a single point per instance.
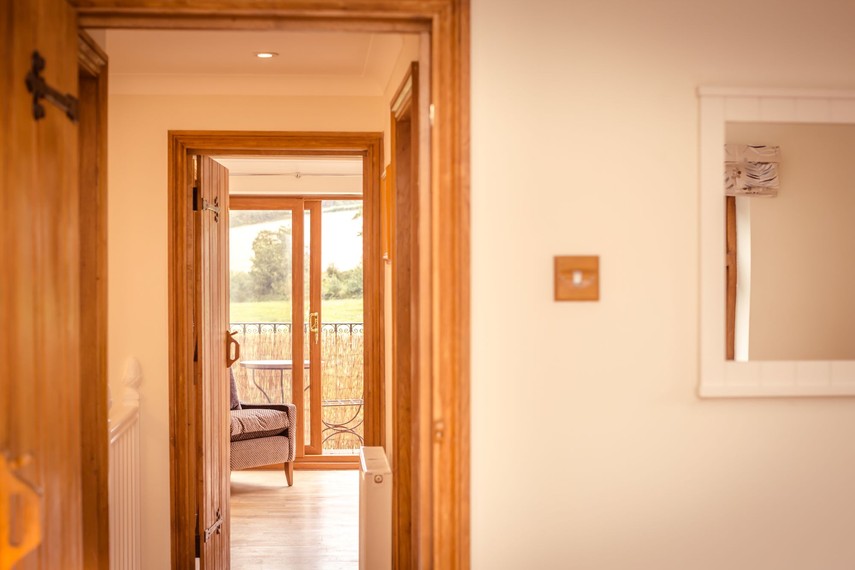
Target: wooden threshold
pixel 328 462
pixel 317 462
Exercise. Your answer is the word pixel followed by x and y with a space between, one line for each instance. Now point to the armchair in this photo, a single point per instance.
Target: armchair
pixel 262 434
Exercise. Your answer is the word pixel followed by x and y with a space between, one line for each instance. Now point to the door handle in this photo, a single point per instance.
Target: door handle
pixel 314 327
pixel 231 341
pixel 20 505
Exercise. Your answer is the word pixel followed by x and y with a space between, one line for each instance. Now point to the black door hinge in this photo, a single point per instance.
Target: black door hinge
pixel 39 88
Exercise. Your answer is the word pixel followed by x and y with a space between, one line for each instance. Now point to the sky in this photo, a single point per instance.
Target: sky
pixel 340 238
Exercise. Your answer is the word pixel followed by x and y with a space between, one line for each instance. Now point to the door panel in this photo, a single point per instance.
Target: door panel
pixel 212 375
pixel 39 298
pixel 409 459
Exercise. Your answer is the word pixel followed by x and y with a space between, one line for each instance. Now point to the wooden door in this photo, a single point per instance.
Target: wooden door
pixel 409 461
pixel 338 411
pixel 212 380
pixel 40 477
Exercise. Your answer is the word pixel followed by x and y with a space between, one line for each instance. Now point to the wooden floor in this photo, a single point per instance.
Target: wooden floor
pixel 314 524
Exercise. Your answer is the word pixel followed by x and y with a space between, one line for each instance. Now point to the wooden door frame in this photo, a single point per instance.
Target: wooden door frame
pixel 313 204
pixel 445 366
pixel 183 144
pixel 92 63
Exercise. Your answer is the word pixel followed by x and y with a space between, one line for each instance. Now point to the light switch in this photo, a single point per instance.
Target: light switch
pixel 577 278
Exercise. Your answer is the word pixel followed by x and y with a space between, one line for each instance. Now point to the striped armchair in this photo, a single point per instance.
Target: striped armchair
pixel 262 434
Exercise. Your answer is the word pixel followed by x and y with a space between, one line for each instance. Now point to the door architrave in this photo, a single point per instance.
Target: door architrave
pixel 93 71
pixel 446 364
pixel 183 144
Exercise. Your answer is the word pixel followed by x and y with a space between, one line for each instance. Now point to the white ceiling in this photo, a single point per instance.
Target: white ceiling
pixel 224 62
pixel 289 166
pixel 293 175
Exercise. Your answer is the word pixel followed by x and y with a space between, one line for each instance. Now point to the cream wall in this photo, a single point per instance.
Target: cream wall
pixel 138 285
pixel 590 447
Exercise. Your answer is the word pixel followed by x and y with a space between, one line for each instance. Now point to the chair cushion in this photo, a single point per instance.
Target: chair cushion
pixel 235 399
pixel 255 423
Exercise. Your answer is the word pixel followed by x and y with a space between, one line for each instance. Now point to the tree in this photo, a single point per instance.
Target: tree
pixel 271 265
pixel 341 284
pixel 240 287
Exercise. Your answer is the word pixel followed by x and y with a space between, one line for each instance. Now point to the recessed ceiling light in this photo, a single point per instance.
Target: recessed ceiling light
pixel 266 54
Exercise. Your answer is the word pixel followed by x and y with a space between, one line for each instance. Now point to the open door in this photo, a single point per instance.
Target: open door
pixel 409 460
pixel 40 460
pixel 211 195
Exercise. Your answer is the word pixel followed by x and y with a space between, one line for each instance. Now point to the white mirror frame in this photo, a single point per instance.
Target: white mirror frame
pixel 729 378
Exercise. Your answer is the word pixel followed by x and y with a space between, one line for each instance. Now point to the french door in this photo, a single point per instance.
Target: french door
pixel 288 352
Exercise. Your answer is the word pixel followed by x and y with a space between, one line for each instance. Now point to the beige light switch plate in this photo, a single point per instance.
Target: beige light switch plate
pixel 577 278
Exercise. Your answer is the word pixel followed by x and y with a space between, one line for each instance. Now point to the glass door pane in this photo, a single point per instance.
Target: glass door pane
pixel 342 338
pixel 260 304
pixel 266 267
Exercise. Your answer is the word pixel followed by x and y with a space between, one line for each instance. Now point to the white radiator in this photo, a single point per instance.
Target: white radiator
pixel 375 510
pixel 125 551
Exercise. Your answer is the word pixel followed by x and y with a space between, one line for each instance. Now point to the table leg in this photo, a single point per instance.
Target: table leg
pixel 266 396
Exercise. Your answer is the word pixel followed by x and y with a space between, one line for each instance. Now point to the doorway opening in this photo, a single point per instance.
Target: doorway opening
pixel 264 283
pixel 442 521
pixel 341 418
pixel 268 196
pixel 277 291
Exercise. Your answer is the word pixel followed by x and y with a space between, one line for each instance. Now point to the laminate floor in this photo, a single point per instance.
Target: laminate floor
pixel 312 525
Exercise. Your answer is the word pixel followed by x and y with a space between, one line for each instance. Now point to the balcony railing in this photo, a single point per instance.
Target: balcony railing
pixel 326 328
pixel 342 369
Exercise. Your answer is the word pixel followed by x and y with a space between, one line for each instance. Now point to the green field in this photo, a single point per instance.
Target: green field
pixel 332 311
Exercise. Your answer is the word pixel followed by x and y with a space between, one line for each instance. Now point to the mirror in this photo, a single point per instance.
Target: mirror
pixel 785 325
pixel 793 292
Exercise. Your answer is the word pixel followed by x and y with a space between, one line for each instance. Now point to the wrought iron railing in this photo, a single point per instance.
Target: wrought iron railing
pixel 342 365
pixel 261 328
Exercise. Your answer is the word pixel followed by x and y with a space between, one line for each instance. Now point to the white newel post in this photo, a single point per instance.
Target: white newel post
pixel 125 553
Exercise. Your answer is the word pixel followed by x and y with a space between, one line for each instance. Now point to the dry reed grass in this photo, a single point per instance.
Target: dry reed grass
pixel 342 368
